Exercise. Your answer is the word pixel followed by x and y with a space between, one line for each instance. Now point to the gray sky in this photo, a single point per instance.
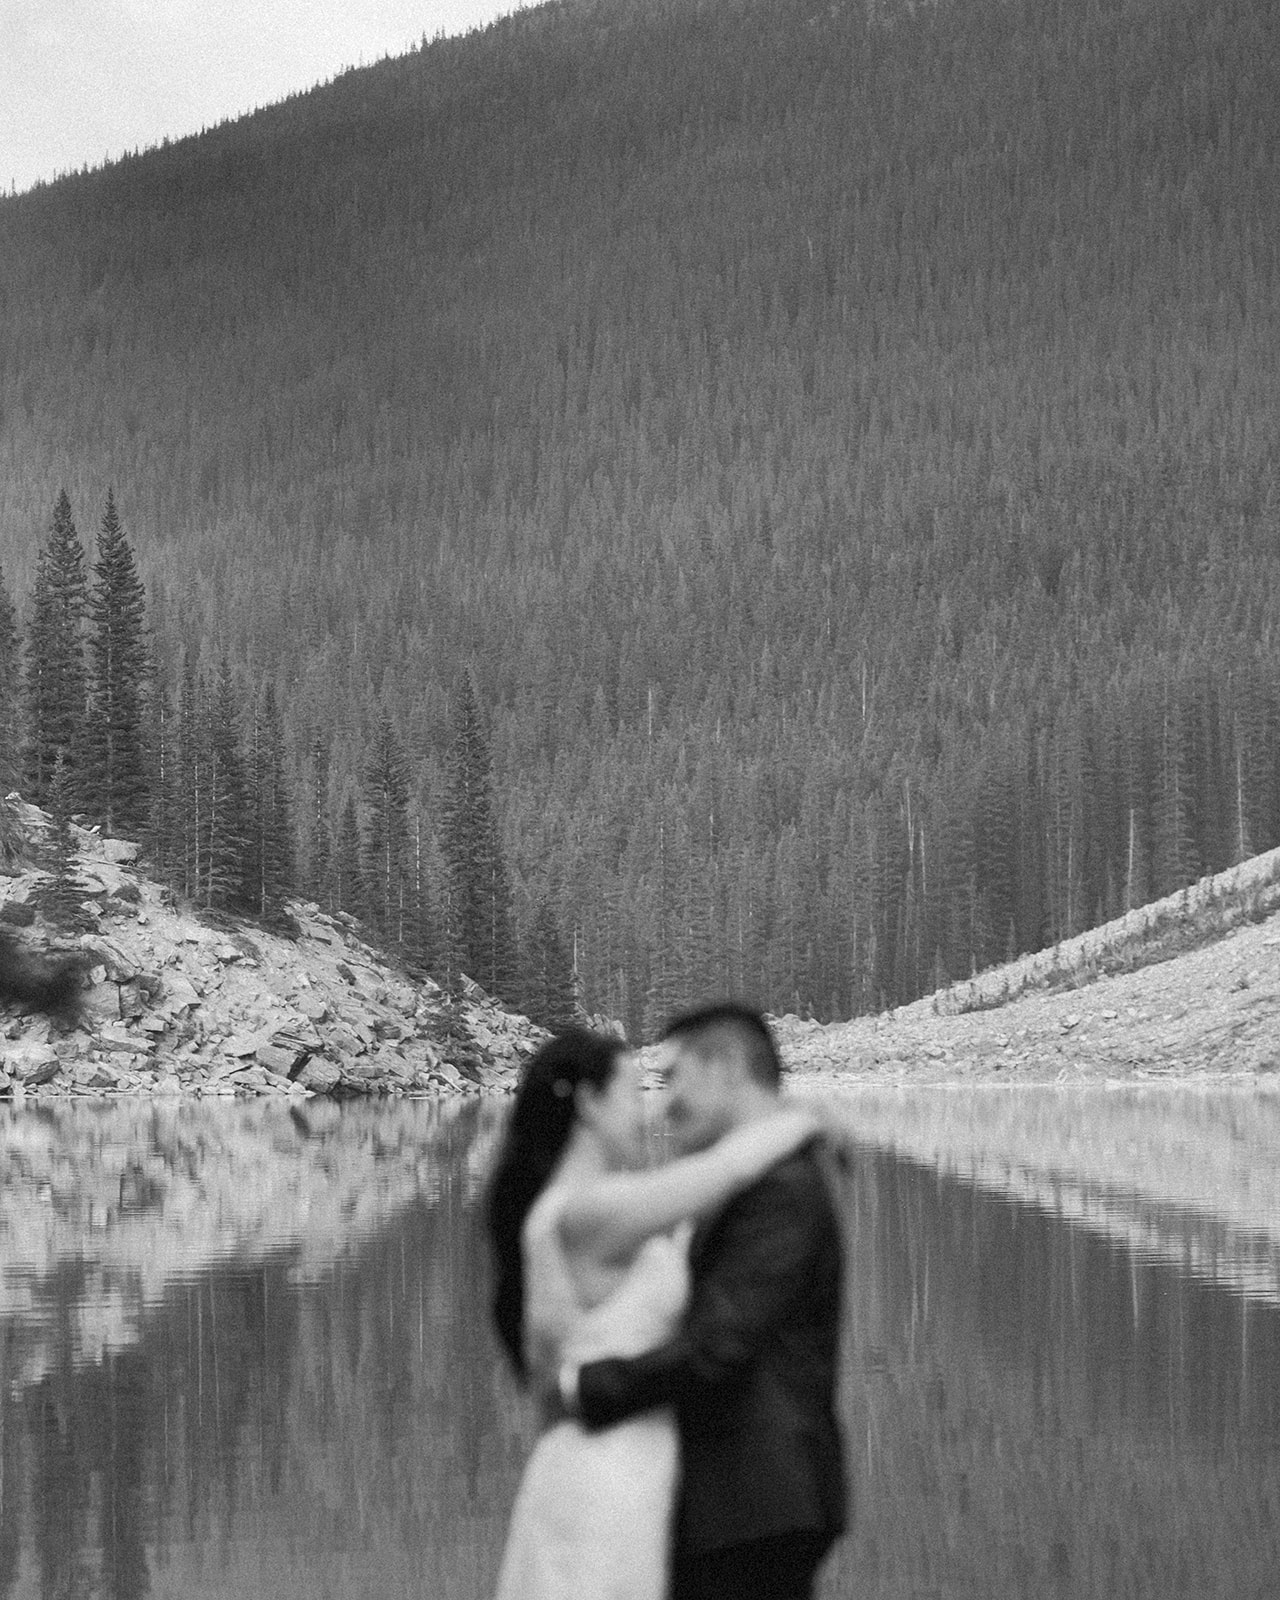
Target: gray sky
pixel 81 80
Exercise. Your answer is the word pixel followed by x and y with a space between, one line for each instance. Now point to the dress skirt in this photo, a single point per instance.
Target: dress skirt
pixel 592 1518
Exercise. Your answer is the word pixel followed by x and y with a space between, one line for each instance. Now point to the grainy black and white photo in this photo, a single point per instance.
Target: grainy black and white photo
pixel 640 800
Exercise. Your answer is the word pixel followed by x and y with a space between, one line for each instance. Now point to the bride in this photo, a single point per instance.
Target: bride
pixel 590 1261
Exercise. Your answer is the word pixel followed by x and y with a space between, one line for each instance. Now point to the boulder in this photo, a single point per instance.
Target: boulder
pixel 274 1059
pixel 312 1007
pixel 116 1039
pixel 117 965
pixel 98 1075
pixel 253 1077
pixel 179 993
pixel 363 1073
pixel 470 1068
pixel 30 1063
pixel 298 1043
pixel 497 1077
pixel 320 1075
pixel 119 850
pixel 391 1063
pixel 346 1040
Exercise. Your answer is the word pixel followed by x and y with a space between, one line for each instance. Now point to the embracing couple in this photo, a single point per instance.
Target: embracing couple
pixel 679 1323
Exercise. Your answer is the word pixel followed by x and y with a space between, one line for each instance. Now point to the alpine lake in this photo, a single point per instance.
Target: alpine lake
pixel 245 1352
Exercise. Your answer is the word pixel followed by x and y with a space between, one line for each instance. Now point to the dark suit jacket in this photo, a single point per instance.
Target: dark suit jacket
pixel 752 1372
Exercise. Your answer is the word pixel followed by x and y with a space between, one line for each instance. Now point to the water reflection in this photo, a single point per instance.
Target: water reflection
pixel 104 1207
pixel 241 1356
pixel 290 1394
pixel 1038 1411
pixel 1185 1175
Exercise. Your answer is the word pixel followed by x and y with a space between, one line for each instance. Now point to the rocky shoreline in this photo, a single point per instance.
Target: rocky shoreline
pixel 1108 1007
pixel 188 1004
pixel 180 1003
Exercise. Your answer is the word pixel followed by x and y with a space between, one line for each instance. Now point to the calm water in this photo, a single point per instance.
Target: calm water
pixel 244 1351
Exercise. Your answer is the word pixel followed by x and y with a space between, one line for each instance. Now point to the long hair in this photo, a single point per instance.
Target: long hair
pixel 541 1121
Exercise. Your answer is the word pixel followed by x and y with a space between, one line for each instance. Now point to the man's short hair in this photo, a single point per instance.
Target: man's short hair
pixel 729 1027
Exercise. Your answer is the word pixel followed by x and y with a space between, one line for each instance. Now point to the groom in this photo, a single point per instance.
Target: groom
pixel 752 1371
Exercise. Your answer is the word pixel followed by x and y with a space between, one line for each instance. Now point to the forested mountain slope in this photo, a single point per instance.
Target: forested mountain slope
pixel 843 447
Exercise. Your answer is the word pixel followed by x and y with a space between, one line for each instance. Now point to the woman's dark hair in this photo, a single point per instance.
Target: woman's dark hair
pixel 538 1131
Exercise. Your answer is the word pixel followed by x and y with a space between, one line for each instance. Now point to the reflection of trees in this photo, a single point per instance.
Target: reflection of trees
pixel 1033 1411
pixel 1180 1174
pixel 135 1196
pixel 396 1362
pixel 88 1469
pixel 340 1388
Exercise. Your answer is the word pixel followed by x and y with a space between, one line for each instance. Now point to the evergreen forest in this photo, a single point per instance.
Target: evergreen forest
pixel 655 498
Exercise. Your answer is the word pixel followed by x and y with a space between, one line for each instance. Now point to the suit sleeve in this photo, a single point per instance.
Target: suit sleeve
pixel 755 1267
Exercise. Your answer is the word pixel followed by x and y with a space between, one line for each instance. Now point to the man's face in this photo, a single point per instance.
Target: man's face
pixel 701 1096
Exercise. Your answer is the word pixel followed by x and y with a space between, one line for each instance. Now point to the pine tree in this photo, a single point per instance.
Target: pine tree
pixel 161 834
pixel 227 822
pixel 270 874
pixel 348 874
pixel 550 996
pixel 191 779
pixel 60 895
pixel 1177 862
pixel 56 680
pixel 422 937
pixel 479 897
pixel 386 795
pixel 119 662
pixel 10 704
pixel 320 857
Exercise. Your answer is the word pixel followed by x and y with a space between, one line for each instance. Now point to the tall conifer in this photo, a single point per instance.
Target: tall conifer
pixel 116 791
pixel 60 894
pixel 228 825
pixel 270 873
pixel 479 896
pixel 56 678
pixel 320 859
pixel 162 834
pixel 190 783
pixel 550 996
pixel 386 794
pixel 10 719
pixel 10 703
pixel 348 872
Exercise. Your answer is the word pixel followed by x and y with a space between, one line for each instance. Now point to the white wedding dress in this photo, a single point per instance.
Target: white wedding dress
pixel 592 1516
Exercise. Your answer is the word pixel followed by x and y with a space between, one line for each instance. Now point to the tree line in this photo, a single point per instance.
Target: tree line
pixel 196 771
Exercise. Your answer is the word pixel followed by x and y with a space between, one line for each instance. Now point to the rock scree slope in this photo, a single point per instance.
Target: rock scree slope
pixel 180 1003
pixel 1187 987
